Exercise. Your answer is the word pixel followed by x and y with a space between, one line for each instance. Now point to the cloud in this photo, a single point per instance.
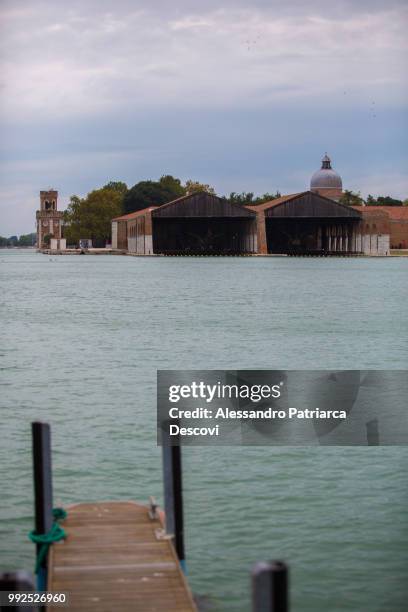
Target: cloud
pixel 394 184
pixel 243 94
pixel 82 62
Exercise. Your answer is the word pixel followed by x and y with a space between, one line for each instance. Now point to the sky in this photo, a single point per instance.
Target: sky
pixel 242 95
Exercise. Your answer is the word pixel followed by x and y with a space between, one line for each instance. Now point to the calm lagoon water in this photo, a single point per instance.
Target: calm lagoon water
pixel 81 340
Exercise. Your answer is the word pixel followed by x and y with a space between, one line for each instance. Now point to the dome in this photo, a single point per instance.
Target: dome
pixel 326 177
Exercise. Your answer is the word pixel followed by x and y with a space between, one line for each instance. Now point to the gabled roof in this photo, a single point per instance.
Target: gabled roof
pixel 202 204
pixel 310 203
pixel 135 214
pixel 180 199
pixel 274 202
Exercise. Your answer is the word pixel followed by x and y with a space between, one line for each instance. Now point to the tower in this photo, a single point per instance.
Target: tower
pixel 326 181
pixel 49 219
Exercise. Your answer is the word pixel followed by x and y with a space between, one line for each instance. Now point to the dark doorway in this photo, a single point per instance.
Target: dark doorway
pixel 301 236
pixel 203 236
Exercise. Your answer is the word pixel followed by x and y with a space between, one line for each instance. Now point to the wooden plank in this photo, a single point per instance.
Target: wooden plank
pixel 112 560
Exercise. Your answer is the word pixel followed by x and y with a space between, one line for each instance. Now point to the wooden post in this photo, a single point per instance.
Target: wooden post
pixel 270 587
pixel 41 435
pixel 15 581
pixel 173 493
pixel 373 434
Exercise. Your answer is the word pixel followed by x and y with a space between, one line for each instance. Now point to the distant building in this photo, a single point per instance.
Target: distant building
pixel 312 222
pixel 49 219
pixel 398 222
pixel 301 223
pixel 196 224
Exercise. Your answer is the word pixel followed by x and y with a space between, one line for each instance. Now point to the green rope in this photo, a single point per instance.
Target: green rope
pixel 55 534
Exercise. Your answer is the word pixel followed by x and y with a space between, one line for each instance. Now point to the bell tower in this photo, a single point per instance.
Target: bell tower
pixel 49 219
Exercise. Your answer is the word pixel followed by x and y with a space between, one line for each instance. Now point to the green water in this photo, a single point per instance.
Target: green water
pixel 81 340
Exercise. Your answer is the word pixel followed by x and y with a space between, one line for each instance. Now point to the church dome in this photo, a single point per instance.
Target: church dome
pixel 326 177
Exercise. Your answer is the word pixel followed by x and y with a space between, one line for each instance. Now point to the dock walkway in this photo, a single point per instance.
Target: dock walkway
pixel 115 558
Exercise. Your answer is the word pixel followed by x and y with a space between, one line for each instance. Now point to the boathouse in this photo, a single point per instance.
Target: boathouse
pixel 304 223
pixel 311 224
pixel 196 224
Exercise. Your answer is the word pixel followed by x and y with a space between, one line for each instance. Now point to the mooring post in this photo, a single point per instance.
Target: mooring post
pixel 173 493
pixel 373 434
pixel 270 587
pixel 41 435
pixel 15 581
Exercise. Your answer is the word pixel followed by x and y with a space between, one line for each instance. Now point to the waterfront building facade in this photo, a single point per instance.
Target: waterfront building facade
pixel 398 224
pixel 312 222
pixel 197 224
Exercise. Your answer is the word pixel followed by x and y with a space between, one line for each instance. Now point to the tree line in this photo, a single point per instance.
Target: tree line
pixel 25 240
pixel 351 198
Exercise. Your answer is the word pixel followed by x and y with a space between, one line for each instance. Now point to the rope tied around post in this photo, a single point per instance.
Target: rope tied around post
pixel 55 534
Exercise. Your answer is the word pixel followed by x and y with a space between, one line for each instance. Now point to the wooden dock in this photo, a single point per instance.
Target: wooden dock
pixel 117 557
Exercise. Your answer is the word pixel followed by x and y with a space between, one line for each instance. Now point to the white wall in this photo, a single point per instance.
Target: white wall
pixel 57 244
pixel 376 244
pixel 114 234
pixel 132 244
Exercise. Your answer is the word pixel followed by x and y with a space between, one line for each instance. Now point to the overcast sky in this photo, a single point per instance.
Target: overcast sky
pixel 244 95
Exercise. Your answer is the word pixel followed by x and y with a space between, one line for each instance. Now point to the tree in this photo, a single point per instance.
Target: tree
pixel 144 194
pixel 152 193
pixel 116 186
pixel 241 198
pixel 350 198
pixel 246 198
pixel 47 239
pixel 26 240
pixel 91 217
pixel 388 201
pixel 72 220
pixel 383 201
pixel 172 185
pixel 196 187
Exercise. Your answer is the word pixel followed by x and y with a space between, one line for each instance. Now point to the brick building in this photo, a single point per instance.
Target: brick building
pixel 398 221
pixel 49 219
pixel 375 231
pixel 310 223
pixel 200 223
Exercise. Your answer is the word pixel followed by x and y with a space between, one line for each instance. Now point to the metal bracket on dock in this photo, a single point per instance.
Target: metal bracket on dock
pixel 153 505
pixel 162 535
